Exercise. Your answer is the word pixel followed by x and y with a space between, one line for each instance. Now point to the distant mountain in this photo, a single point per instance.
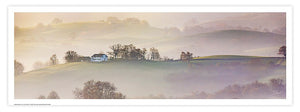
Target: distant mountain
pixel 263 22
pixel 237 42
pixel 88 38
pixel 227 57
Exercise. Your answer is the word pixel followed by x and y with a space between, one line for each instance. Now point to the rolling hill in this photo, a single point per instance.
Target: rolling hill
pixel 141 79
pixel 227 57
pixel 87 38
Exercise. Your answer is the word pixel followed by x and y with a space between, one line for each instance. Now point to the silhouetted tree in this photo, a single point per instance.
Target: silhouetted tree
pixel 182 56
pixel 53 60
pixel 128 52
pixel 143 53
pixel 97 90
pixel 116 50
pixel 71 56
pixel 53 95
pixel 154 54
pixel 186 56
pixel 282 50
pixel 19 68
pixel 56 21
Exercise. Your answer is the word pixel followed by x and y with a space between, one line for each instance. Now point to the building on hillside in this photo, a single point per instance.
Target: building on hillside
pixel 99 58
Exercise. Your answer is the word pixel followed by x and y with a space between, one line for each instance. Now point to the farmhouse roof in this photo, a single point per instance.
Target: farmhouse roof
pixel 98 55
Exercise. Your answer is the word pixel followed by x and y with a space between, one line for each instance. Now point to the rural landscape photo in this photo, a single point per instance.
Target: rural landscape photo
pixel 149 55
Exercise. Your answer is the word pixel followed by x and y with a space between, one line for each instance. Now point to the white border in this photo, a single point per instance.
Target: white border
pixel 147 8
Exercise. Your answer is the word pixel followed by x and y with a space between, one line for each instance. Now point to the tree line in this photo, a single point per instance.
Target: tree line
pixel 131 52
pixel 127 52
pixel 119 51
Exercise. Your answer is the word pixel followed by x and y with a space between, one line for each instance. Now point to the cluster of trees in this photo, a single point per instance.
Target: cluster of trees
pixel 52 95
pixel 91 90
pixel 154 54
pixel 98 90
pixel 128 52
pixel 71 56
pixel 276 88
pixel 52 61
pixel 186 56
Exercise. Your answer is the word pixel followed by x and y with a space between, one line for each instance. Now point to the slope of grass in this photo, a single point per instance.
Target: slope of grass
pixel 227 57
pixel 143 78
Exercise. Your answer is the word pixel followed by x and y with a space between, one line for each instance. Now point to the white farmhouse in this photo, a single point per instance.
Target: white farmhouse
pixel 99 58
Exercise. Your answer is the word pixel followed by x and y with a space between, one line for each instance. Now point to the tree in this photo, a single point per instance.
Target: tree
pixel 56 21
pixel 53 60
pixel 97 90
pixel 143 53
pixel 189 56
pixel 19 68
pixel 53 95
pixel 71 56
pixel 41 97
pixel 282 50
pixel 128 52
pixel 154 54
pixel 38 65
pixel 116 50
pixel 186 56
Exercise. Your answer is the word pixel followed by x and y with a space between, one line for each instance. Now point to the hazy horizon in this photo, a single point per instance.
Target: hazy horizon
pixel 40 35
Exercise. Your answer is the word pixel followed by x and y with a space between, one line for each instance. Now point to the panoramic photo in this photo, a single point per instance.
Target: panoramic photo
pixel 149 55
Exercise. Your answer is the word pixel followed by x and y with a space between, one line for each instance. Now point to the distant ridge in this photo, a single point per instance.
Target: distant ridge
pixel 227 57
pixel 237 33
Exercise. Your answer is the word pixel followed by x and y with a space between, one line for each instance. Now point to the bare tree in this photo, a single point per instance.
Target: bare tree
pixel 154 54
pixel 282 50
pixel 97 90
pixel 116 50
pixel 71 56
pixel 53 60
pixel 143 53
pixel 53 95
pixel 19 68
pixel 56 21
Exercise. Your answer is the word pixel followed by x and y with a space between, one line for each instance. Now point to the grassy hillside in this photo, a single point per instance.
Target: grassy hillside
pixel 143 78
pixel 227 57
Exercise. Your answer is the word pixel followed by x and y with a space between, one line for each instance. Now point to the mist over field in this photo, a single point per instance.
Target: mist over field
pixel 143 79
pixel 178 55
pixel 257 34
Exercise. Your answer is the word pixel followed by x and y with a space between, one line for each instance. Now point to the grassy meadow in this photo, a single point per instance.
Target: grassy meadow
pixel 152 79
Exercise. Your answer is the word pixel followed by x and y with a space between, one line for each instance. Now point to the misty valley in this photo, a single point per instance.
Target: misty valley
pixel 150 55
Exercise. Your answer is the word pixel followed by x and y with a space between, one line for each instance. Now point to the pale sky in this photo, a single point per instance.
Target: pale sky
pixel 42 42
pixel 160 20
